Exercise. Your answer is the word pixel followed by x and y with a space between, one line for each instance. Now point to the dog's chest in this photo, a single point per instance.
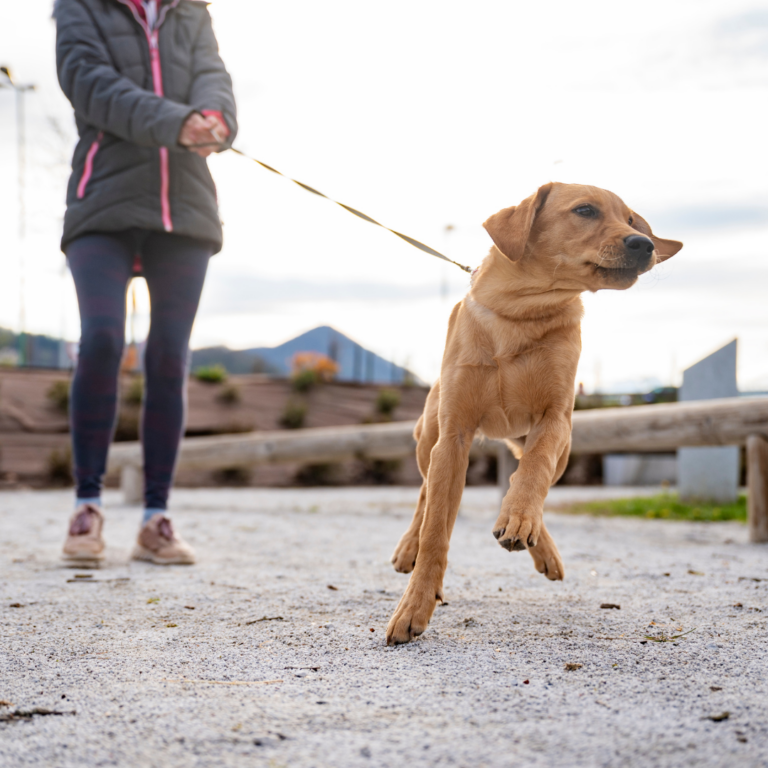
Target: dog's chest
pixel 509 410
pixel 525 371
pixel 499 424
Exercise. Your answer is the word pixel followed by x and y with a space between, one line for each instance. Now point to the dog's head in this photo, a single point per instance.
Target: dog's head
pixel 586 236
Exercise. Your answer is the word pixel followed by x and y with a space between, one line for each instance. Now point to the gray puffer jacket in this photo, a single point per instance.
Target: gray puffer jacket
pixel 132 89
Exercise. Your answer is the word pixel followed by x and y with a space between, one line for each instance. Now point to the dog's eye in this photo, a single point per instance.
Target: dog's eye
pixel 587 211
pixel 631 221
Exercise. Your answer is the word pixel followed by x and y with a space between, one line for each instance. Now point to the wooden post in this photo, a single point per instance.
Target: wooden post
pixel 132 485
pixel 757 488
pixel 506 465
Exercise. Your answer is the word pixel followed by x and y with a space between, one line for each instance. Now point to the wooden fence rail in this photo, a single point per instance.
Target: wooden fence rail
pixel 731 421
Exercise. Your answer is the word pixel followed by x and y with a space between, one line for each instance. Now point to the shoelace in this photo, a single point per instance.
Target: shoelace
pixel 83 522
pixel 165 529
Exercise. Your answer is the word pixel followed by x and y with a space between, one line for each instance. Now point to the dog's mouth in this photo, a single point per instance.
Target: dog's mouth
pixel 616 274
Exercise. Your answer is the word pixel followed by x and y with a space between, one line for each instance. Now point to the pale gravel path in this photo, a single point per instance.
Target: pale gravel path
pixel 458 696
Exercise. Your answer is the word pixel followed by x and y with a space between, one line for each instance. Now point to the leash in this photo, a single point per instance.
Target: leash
pixel 359 214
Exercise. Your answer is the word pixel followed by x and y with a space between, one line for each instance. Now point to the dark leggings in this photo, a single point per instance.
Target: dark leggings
pixel 102 266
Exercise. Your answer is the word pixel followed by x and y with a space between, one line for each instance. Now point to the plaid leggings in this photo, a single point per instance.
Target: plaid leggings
pixel 102 266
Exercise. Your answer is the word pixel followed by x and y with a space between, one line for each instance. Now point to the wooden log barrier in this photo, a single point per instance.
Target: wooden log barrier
pixel 757 488
pixel 305 446
pixel 665 427
pixel 668 426
pixel 132 484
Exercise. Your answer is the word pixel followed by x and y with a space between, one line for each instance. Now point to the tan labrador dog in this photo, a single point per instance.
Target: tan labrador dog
pixel 509 371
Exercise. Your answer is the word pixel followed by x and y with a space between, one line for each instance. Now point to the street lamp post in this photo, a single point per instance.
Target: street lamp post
pixel 20 89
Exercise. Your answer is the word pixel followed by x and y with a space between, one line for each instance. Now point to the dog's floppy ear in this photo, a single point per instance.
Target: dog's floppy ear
pixel 510 227
pixel 665 249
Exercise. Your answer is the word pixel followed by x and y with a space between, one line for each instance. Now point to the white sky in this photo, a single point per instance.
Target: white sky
pixel 424 114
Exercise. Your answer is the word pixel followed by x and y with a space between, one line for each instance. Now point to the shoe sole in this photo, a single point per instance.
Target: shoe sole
pixel 83 560
pixel 147 555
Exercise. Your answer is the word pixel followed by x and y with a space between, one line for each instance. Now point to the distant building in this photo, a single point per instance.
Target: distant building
pixel 9 356
pixel 35 351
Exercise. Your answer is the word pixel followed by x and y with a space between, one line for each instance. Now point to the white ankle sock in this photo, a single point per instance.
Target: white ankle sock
pixel 148 512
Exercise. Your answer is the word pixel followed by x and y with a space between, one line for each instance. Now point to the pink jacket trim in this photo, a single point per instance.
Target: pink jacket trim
pixel 88 167
pixel 157 81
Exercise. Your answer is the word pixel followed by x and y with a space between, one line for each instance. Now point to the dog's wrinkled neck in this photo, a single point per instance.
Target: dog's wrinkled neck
pixel 512 291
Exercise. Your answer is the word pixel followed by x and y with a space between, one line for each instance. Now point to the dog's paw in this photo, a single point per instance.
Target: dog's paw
pixel 404 556
pixel 518 529
pixel 413 613
pixel 546 558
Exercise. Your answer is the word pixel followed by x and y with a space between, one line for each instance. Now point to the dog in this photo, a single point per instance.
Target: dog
pixel 509 371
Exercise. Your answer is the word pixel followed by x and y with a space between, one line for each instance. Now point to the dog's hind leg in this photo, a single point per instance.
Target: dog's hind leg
pixel 562 462
pixel 426 433
pixel 404 556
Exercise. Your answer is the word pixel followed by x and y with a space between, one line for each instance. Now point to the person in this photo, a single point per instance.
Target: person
pixel 152 99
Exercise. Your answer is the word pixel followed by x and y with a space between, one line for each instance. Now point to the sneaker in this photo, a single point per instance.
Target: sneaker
pixel 159 544
pixel 84 542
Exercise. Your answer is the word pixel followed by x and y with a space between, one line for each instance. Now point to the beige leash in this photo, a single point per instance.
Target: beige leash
pixel 359 214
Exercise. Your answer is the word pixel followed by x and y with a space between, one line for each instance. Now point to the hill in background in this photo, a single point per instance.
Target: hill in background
pixel 355 362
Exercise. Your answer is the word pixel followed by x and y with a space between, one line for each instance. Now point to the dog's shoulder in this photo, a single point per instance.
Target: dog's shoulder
pixel 469 342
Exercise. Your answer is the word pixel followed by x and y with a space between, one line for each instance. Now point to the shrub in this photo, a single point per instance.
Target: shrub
pixel 211 374
pixel 321 366
pixel 134 395
pixel 58 395
pixel 60 467
pixel 230 395
pixel 303 381
pixel 380 471
pixel 232 476
pixel 294 414
pixel 127 427
pixel 386 401
pixel 318 474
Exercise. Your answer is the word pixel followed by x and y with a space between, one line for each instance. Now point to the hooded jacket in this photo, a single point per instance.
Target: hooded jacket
pixel 132 88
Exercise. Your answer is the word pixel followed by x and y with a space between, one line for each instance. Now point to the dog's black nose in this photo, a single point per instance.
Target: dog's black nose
pixel 639 248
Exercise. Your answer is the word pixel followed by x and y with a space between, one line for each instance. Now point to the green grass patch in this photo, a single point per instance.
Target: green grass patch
pixel 664 506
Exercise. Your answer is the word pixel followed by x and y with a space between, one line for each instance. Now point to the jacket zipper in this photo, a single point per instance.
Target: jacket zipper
pixel 153 41
pixel 88 166
pixel 165 173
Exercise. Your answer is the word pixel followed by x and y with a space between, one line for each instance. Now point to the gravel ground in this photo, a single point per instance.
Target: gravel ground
pixel 296 586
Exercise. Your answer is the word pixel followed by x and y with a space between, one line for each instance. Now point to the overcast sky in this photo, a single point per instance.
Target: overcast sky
pixel 425 114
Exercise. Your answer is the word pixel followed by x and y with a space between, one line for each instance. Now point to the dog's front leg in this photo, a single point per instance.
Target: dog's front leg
pixel 445 483
pixel 520 522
